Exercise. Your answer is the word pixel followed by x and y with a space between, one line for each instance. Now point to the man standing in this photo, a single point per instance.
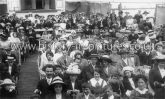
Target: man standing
pixel 157 78
pixel 138 16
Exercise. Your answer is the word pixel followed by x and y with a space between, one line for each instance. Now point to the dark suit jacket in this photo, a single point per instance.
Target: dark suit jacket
pixel 77 85
pixel 127 84
pixel 6 74
pixel 43 86
pixel 133 37
pixel 145 59
pixel 155 76
pixel 87 73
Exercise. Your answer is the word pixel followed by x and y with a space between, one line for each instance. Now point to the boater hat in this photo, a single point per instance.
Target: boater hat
pixel 159 58
pixel 7 82
pixel 128 68
pixel 106 58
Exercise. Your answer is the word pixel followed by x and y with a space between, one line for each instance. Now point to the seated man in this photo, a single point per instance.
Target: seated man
pixel 42 86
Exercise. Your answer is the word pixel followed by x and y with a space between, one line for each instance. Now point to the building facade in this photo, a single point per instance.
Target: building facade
pixel 20 5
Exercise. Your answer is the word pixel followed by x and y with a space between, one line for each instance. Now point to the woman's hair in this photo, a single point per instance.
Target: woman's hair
pixel 75 56
pixel 50 53
pixel 97 69
pixel 86 85
pixel 48 66
pixel 140 76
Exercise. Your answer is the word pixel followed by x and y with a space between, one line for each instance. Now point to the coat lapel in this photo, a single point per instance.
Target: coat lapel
pixel 158 73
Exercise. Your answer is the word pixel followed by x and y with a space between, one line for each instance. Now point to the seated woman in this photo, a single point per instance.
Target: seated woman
pixel 159 49
pixel 98 85
pixel 70 41
pixel 8 89
pixel 14 39
pixel 46 58
pixel 15 43
pixel 57 88
pixel 141 92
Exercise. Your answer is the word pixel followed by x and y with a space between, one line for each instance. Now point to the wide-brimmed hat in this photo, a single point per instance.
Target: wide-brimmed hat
pixel 145 12
pixel 106 58
pixel 62 39
pixel 128 68
pixel 56 80
pixel 159 58
pixel 73 69
pixel 7 82
pixel 8 23
pixel 21 28
pixel 96 56
pixel 159 44
pixel 9 58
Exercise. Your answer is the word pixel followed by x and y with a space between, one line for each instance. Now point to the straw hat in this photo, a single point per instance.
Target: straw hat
pixel 10 59
pixel 159 44
pixel 128 68
pixel 93 56
pixel 57 80
pixel 159 58
pixel 62 39
pixel 145 12
pixel 73 68
pixel 106 58
pixel 21 28
pixel 7 82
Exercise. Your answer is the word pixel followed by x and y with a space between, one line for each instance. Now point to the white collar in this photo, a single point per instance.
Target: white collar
pixel 141 91
pixel 111 97
pixel 86 95
pixel 162 72
pixel 58 96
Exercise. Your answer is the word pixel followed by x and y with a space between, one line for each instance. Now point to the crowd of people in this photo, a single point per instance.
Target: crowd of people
pixel 86 56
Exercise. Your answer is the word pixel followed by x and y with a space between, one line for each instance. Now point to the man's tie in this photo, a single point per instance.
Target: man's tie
pixel 49 81
pixel 97 84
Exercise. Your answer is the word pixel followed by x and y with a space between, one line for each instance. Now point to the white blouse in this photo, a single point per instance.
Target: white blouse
pixel 58 96
pixel 93 82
